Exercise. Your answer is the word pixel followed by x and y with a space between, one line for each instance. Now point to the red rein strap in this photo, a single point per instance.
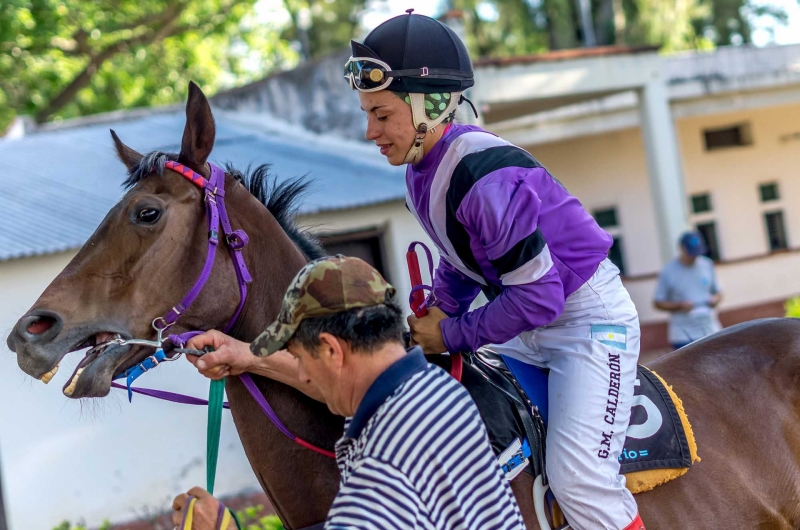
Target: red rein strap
pixel 456 366
pixel 418 302
pixel 417 297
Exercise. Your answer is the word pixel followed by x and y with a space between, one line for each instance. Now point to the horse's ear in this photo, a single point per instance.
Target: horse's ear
pixel 128 156
pixel 199 133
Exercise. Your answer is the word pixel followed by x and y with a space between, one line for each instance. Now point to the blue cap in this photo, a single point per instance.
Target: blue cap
pixel 693 244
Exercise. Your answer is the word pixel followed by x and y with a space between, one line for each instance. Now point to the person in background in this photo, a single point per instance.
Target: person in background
pixel 688 289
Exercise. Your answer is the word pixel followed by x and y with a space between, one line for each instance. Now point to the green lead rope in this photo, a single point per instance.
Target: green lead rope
pixel 216 396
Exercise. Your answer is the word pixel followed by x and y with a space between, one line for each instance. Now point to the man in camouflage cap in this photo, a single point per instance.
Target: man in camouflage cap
pixel 323 287
pixel 344 337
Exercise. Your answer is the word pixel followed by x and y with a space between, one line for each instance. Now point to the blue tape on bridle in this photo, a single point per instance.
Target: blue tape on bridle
pixel 133 373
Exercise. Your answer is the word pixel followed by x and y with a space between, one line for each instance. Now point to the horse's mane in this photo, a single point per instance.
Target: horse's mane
pixel 281 198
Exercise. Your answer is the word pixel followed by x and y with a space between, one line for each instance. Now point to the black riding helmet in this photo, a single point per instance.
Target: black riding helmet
pixel 424 55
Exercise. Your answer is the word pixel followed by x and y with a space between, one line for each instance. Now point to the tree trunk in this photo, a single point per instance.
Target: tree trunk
pixel 605 23
pixel 169 18
pixel 561 24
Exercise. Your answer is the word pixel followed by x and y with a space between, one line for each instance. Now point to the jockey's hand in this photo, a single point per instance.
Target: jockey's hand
pixel 206 509
pixel 426 331
pixel 230 356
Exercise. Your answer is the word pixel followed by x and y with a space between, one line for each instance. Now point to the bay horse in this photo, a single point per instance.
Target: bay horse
pixel 739 387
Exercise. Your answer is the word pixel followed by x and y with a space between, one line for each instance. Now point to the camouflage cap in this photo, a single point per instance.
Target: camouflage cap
pixel 323 287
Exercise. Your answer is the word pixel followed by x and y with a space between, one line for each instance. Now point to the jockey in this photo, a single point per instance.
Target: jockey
pixel 503 225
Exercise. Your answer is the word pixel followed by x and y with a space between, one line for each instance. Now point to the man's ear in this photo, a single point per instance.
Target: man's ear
pixel 332 350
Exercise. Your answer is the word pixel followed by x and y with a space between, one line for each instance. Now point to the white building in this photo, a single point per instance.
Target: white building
pixel 723 144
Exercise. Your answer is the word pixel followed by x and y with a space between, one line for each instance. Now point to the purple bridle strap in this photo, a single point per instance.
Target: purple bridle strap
pixel 262 402
pixel 216 213
pixel 257 396
pixel 236 240
pixel 168 396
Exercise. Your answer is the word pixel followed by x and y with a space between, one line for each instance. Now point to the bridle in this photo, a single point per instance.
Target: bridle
pixel 216 214
pixel 214 198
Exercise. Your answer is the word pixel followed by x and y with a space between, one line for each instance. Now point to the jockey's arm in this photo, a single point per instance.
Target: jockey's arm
pixel 453 291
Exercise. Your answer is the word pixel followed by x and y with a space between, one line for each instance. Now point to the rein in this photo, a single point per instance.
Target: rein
pixel 419 302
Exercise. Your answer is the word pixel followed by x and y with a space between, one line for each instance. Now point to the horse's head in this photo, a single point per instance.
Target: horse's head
pixel 139 263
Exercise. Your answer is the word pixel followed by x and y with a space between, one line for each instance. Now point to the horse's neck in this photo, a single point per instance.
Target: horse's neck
pixel 290 474
pixel 273 259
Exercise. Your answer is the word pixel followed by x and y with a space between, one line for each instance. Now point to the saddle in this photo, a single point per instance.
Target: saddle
pixel 511 397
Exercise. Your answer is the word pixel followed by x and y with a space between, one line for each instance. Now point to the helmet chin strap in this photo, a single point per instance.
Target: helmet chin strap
pixel 423 124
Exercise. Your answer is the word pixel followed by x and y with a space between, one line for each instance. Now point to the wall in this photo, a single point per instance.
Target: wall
pixel 609 170
pixel 400 229
pixel 314 95
pixel 733 175
pixel 66 459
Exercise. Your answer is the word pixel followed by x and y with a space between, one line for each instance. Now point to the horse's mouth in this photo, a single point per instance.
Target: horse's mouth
pixel 98 344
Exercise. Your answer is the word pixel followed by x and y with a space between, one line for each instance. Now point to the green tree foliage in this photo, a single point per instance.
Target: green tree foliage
pixel 792 307
pixel 66 525
pixel 513 27
pixel 252 519
pixel 65 58
pixel 321 26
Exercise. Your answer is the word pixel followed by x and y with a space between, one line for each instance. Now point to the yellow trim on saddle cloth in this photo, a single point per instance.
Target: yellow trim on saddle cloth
pixel 641 481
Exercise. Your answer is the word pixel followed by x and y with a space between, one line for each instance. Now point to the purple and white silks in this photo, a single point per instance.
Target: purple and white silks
pixel 504 225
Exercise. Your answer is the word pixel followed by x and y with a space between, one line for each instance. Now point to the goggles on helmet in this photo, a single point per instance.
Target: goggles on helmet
pixel 367 74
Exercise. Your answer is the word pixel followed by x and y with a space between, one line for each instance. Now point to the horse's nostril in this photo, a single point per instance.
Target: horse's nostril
pixel 41 325
pixel 38 325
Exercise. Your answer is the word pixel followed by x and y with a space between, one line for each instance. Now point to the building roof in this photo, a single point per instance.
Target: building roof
pixel 564 55
pixel 56 186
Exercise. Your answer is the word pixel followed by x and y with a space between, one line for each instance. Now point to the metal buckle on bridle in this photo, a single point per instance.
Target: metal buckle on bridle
pixel 424 71
pixel 155 363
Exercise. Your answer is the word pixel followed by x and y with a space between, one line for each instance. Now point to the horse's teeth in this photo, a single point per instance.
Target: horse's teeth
pixel 46 378
pixel 73 383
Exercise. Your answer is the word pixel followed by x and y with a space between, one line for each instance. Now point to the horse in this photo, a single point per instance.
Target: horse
pixel 739 387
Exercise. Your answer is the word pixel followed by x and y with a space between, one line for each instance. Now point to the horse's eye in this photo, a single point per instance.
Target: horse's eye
pixel 148 215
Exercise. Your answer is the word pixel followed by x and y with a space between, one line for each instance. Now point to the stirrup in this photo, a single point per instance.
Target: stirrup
pixel 539 500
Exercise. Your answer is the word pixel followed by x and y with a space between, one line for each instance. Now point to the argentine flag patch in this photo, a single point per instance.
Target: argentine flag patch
pixel 614 336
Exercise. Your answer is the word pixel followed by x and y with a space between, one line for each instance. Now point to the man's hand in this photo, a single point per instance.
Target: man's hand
pixel 426 331
pixel 230 356
pixel 714 300
pixel 686 306
pixel 206 509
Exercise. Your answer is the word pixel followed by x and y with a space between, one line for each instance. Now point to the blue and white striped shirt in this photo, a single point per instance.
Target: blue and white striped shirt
pixel 416 455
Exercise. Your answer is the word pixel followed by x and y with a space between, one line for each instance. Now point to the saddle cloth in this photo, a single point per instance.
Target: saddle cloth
pixel 512 399
pixel 649 461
